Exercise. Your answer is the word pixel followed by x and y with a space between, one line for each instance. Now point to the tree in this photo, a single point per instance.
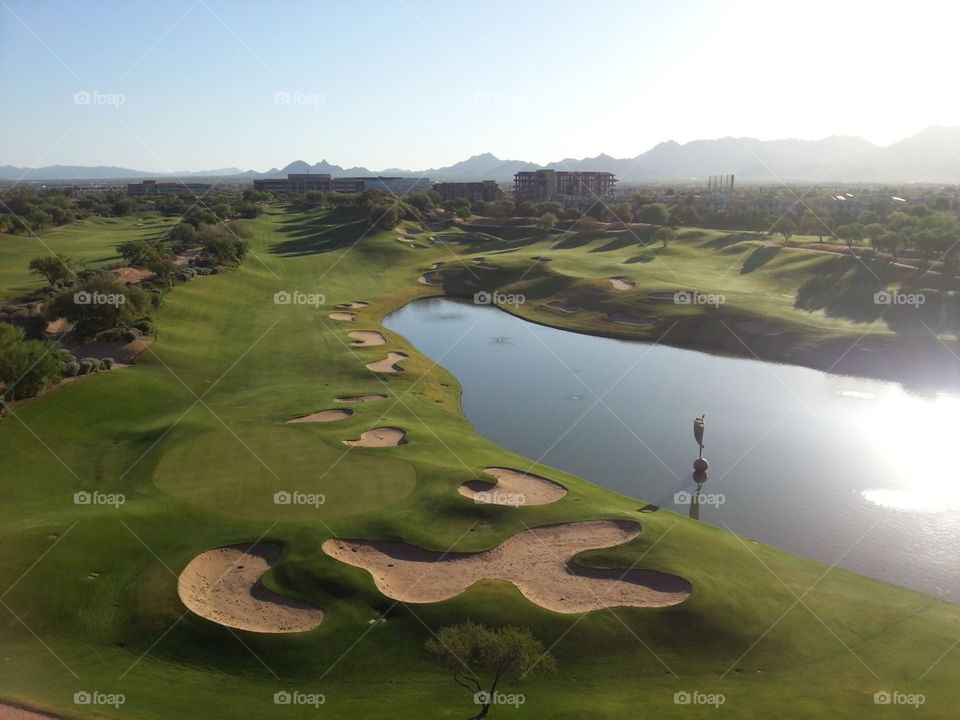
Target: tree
pixel 619 212
pixel 420 201
pixel 138 253
pixel 891 242
pixel 460 206
pixel 685 214
pixel 249 210
pixel 383 216
pixel 851 234
pixel 124 206
pixel 786 228
pixel 550 206
pixel 161 264
pixel 26 366
pixel 810 224
pixel 654 214
pixel 874 232
pixel 182 234
pixel 472 651
pixel 97 303
pixel 500 209
pixel 221 245
pixel 664 236
pixel 54 268
pixel 547 221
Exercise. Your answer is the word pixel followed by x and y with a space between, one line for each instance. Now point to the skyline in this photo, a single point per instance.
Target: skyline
pixel 381 85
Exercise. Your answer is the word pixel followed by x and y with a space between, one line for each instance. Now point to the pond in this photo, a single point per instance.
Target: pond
pixel 854 472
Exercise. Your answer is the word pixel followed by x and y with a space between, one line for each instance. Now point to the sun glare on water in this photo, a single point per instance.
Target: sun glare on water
pixel 914 438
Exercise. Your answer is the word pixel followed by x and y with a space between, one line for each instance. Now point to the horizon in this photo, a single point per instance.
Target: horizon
pixel 382 80
pixel 351 165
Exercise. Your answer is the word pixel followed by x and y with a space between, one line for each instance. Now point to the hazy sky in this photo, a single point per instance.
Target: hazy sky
pixel 203 84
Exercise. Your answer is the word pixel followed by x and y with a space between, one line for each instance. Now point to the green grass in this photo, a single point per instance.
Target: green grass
pixel 778 303
pixel 198 473
pixel 92 241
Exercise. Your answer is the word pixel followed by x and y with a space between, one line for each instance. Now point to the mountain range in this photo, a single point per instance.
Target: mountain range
pixel 931 156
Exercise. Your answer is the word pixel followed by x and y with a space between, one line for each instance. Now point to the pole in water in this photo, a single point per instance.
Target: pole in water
pixel 699 465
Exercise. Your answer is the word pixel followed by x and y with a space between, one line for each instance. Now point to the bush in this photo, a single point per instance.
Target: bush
pixel 26 366
pixel 144 325
pixel 107 364
pixel 88 366
pixel 96 304
pixel 112 335
pixel 70 369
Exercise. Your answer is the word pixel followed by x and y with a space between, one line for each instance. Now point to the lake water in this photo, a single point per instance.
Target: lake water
pixel 850 471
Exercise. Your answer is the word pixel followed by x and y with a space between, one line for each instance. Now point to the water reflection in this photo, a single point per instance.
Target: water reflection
pixel 810 462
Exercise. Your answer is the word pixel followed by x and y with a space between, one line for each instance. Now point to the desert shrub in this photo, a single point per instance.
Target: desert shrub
pixel 112 335
pixel 88 366
pixel 96 304
pixel 144 325
pixel 26 366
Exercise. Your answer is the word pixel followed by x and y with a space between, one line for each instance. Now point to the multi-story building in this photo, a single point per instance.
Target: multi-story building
pixel 296 183
pixel 568 187
pixel 392 185
pixel 472 191
pixel 306 182
pixel 152 187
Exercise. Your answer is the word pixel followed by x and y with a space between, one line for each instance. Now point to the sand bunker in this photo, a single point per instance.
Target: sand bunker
pixel 15 712
pixel 223 586
pixel 430 278
pixel 359 398
pixel 622 319
pixel 380 437
pixel 343 316
pixel 564 307
pixel 538 562
pixel 366 338
pixel 622 283
pixel 323 416
pixel 354 305
pixel 388 364
pixel 513 488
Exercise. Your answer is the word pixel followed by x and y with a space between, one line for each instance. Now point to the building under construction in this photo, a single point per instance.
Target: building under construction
pixel 570 188
pixel 720 183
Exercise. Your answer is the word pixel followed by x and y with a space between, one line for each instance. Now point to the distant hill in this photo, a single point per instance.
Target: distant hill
pixel 931 156
pixel 100 172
